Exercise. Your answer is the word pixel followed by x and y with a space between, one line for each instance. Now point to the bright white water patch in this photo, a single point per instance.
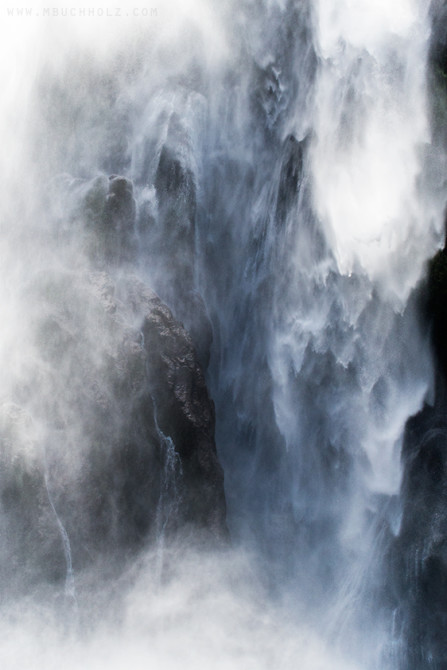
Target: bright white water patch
pixel 371 132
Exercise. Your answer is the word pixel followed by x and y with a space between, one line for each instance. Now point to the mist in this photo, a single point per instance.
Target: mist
pixel 262 179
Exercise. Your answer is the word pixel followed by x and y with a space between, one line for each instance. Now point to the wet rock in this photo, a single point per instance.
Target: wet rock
pixel 118 221
pixel 176 194
pixel 420 550
pixel 112 435
pixel 185 413
pixel 419 565
pixel 107 211
pixel 438 41
pixel 173 246
pixel 436 310
pixel 290 177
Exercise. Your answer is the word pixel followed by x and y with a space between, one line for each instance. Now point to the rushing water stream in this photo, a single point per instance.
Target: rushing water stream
pixel 303 131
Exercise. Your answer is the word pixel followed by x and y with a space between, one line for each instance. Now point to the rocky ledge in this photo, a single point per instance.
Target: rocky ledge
pixel 108 436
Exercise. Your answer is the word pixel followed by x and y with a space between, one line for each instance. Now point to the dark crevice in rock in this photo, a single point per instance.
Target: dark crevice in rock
pixel 290 178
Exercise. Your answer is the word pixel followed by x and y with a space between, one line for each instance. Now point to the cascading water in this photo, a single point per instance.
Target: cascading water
pixel 268 168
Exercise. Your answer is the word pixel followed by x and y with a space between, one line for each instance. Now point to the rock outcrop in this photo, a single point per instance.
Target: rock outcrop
pixel 108 438
pixel 418 566
pixel 172 241
pixel 419 553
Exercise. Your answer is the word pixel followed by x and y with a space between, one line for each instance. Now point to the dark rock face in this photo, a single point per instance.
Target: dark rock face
pixel 107 207
pixel 173 240
pixel 108 219
pixel 185 413
pixel 119 220
pixel 290 177
pixel 438 44
pixel 437 307
pixel 109 438
pixel 419 566
pixel 419 553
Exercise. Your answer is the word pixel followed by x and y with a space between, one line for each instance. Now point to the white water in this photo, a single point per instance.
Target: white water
pixel 372 134
pixel 317 361
pixel 370 142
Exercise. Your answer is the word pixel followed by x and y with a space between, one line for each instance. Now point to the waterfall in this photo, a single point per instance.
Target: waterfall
pixel 273 171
